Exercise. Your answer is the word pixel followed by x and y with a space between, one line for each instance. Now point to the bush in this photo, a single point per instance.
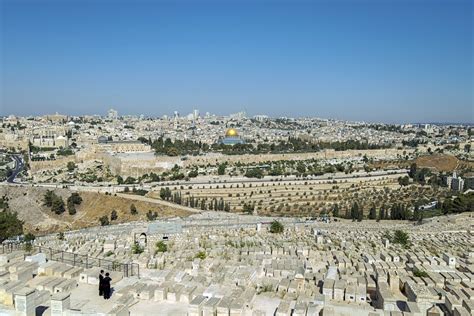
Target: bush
pixel 137 249
pixel 54 201
pixel 151 216
pixel 254 173
pixel 72 201
pixel 104 220
pixel 401 237
pixel 29 237
pixel 161 247
pixel 276 227
pixel 420 273
pixel 113 215
pixel 133 209
pixel 201 255
pixel 71 166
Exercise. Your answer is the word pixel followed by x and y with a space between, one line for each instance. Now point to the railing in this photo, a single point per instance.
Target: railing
pixel 77 260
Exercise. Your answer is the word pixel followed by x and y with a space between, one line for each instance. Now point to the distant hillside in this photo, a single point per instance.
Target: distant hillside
pixel 445 163
pixel 28 203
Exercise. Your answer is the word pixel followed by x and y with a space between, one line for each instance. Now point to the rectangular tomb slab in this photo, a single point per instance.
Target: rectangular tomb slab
pixel 25 301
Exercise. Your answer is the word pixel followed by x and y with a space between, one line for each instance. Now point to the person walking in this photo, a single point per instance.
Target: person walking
pixel 106 283
pixel 101 283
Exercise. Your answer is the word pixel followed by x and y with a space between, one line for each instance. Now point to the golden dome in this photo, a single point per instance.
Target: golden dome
pixel 231 132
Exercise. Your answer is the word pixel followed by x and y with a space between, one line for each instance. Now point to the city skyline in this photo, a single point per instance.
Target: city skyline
pixel 391 62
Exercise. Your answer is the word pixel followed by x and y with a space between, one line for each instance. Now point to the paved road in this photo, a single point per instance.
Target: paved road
pixel 18 168
pixel 114 188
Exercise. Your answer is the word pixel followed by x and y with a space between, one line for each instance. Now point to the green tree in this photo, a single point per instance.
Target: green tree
pixel 372 213
pixel 104 220
pixel 413 170
pixel 10 225
pixel 72 201
pixel 48 198
pixel 57 205
pixel 137 249
pixel 335 210
pixel 113 215
pixel 133 209
pixel 402 238
pixel 355 211
pixel 221 169
pixel 276 227
pixel 404 181
pixel 119 180
pixel 71 166
pixel 161 246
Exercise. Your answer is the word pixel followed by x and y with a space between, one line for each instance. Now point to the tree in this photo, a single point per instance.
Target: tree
pixel 301 168
pixel 254 173
pixel 151 216
pixel 335 210
pixel 72 201
pixel 71 166
pixel 113 215
pixel 416 213
pixel 276 227
pixel 104 220
pixel 61 236
pixel 10 225
pixel 381 213
pixel 372 213
pixel 404 181
pixel 48 198
pixel 221 169
pixel 467 148
pixel 137 249
pixel 360 215
pixel 57 205
pixel 161 246
pixel 401 237
pixel 133 209
pixel 412 171
pixel 28 239
pixel 355 211
pixel 119 180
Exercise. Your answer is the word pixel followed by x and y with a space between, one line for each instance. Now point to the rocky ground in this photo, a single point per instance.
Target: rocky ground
pixel 28 203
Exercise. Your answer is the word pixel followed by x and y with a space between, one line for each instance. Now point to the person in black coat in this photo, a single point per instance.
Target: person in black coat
pixel 101 283
pixel 106 283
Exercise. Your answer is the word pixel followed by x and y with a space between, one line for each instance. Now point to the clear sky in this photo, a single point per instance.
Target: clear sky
pixel 380 60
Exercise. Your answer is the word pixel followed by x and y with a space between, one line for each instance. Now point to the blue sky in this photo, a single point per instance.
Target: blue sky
pixel 383 61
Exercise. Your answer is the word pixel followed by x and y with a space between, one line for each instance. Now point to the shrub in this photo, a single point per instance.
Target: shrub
pixel 137 249
pixel 161 247
pixel 276 227
pixel 104 220
pixel 201 255
pixel 113 215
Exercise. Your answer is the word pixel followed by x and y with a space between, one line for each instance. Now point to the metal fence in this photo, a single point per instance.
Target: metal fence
pixel 77 260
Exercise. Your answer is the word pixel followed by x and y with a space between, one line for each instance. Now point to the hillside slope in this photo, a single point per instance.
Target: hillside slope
pixel 28 203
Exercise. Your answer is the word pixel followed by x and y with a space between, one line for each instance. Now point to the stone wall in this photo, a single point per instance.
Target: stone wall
pixel 36 166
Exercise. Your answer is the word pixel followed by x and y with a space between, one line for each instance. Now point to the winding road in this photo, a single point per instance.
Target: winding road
pixel 19 164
